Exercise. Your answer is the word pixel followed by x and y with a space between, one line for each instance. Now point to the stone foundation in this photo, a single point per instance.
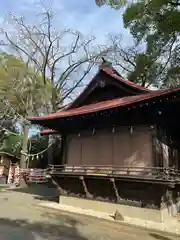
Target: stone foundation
pixel 111 208
pixel 153 201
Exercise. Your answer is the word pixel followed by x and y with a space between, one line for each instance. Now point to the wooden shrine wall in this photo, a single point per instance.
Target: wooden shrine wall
pixel 125 147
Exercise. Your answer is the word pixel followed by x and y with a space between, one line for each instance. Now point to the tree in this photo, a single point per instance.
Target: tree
pixel 18 84
pixel 6 126
pixel 155 26
pixel 113 3
pixel 12 144
pixel 156 22
pixel 21 87
pixel 44 50
pixel 23 90
pixel 136 65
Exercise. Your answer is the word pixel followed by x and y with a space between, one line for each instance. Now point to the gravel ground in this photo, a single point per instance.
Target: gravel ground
pixel 20 218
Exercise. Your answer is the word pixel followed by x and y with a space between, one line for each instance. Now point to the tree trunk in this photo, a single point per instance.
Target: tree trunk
pixel 51 107
pixel 24 151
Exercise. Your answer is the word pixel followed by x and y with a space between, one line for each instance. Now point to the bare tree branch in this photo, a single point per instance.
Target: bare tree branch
pixel 63 58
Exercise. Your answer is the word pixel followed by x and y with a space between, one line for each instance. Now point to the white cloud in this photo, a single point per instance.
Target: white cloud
pixel 82 15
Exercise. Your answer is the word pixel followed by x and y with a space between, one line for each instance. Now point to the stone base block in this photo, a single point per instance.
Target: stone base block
pixel 111 208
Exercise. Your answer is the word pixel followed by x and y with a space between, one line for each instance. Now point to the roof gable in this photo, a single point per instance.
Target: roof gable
pixel 107 85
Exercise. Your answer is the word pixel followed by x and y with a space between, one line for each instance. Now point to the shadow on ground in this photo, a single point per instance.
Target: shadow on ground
pixel 23 229
pixel 159 237
pixel 44 192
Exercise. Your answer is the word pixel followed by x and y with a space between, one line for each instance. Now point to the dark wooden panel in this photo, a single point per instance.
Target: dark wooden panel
pixel 89 151
pixel 121 147
pixel 141 141
pixel 73 154
pixel 104 148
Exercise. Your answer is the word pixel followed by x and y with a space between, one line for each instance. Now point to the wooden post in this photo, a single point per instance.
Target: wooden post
pixel 88 194
pixel 50 150
pixel 112 180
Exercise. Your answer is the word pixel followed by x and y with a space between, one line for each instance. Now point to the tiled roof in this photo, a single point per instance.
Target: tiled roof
pixel 113 74
pixel 110 104
pixel 47 131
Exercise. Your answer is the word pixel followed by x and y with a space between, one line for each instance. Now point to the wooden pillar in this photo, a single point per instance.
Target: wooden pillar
pixel 60 189
pixel 115 189
pixel 176 156
pixel 88 194
pixel 170 203
pixel 61 155
pixel 165 153
pixel 65 150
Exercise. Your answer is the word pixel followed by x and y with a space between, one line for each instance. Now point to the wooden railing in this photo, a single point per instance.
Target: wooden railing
pixel 133 172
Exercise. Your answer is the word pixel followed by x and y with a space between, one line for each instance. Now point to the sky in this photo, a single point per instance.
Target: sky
pixel 81 15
